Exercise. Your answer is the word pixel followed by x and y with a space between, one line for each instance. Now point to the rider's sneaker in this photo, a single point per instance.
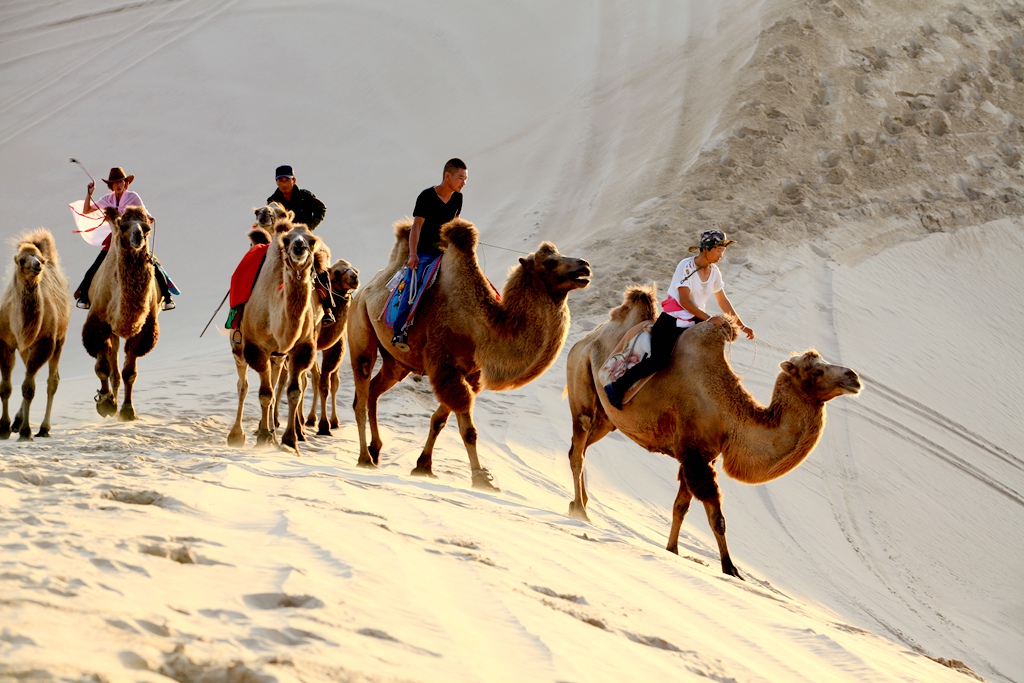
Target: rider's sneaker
pixel 83 304
pixel 169 305
pixel 401 342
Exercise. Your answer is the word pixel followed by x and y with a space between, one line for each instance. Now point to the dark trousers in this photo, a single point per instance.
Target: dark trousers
pixel 663 340
pixel 82 293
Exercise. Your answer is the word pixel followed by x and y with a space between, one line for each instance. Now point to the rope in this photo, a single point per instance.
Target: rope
pixel 495 246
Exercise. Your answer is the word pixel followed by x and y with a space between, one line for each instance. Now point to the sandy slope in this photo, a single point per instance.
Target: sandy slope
pixel 880 227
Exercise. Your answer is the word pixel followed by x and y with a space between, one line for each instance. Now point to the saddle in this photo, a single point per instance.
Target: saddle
pixel 634 346
pixel 242 282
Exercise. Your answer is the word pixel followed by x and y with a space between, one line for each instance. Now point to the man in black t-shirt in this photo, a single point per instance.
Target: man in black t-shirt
pixel 435 206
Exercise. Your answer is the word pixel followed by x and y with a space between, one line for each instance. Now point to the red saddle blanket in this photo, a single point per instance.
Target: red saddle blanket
pixel 244 277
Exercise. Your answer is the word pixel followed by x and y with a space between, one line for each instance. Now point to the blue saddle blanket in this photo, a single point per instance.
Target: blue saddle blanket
pixel 403 286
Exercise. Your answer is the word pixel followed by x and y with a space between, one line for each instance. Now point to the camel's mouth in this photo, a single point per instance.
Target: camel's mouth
pixel 851 384
pixel 581 276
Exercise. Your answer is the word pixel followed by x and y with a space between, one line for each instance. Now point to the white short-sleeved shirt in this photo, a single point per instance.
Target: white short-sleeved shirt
pixel 700 290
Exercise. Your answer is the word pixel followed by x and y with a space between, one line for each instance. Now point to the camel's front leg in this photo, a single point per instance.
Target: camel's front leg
pixel 299 361
pixel 101 344
pixel 6 367
pixel 314 372
pixel 481 477
pixel 236 437
pixel 702 481
pixel 38 354
pixel 425 463
pixel 52 382
pixel 139 345
pixel 265 434
pixel 279 377
pixel 362 368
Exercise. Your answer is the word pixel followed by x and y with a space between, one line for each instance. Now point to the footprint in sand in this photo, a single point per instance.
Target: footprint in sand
pixel 281 601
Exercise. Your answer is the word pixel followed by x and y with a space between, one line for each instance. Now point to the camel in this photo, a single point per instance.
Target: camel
pixel 696 409
pixel 125 304
pixel 331 340
pixel 279 323
pixel 465 339
pixel 35 311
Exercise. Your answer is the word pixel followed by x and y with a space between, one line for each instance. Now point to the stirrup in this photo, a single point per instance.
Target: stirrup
pixel 401 342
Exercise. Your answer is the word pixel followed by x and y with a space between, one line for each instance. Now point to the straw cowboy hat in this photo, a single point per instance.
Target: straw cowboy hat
pixel 117 173
pixel 709 239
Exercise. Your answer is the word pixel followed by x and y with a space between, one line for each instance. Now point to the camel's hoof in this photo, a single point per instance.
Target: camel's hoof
pixel 324 430
pixel 236 439
pixel 105 405
pixel 43 433
pixel 422 472
pixel 5 434
pixel 25 435
pixel 335 423
pixel 365 462
pixel 310 421
pixel 16 425
pixel 482 480
pixel 290 447
pixel 265 438
pixel 730 569
pixel 578 511
pixel 127 413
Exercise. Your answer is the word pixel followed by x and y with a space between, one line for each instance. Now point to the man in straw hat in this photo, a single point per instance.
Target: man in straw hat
pixel 120 198
pixel 695 280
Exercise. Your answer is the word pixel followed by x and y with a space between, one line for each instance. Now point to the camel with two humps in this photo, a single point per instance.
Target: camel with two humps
pixel 465 338
pixel 696 410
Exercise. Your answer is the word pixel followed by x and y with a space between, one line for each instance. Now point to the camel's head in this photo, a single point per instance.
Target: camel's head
pixel 267 216
pixel 344 278
pixel 29 262
pixel 132 228
pixel 298 245
pixel 558 273
pixel 818 379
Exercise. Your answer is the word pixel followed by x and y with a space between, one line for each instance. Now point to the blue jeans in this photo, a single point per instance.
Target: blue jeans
pixel 405 304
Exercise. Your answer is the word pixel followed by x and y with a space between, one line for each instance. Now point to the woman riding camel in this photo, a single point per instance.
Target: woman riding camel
pixel 120 198
pixel 695 280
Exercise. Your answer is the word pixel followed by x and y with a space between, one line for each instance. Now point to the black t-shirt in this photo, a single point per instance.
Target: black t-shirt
pixel 434 213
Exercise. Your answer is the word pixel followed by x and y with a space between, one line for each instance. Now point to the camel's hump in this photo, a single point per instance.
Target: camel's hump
pixel 640 297
pixel 460 234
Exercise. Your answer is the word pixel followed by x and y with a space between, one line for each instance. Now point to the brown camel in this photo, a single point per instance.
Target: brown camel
pixel 331 340
pixel 35 310
pixel 279 322
pixel 464 338
pixel 696 409
pixel 125 304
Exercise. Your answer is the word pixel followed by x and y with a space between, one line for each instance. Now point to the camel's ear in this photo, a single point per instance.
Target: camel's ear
pixel 289 216
pixel 522 261
pixel 788 367
pixel 110 213
pixel 256 211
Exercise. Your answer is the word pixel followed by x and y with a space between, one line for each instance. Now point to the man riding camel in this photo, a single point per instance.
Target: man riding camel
pixel 435 206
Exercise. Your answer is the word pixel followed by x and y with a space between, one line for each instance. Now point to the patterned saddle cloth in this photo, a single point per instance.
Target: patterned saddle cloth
pixel 633 348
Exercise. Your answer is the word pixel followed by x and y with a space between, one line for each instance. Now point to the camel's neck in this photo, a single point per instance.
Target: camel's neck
pixel 766 442
pixel 135 273
pixel 528 330
pixel 30 302
pixel 292 300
